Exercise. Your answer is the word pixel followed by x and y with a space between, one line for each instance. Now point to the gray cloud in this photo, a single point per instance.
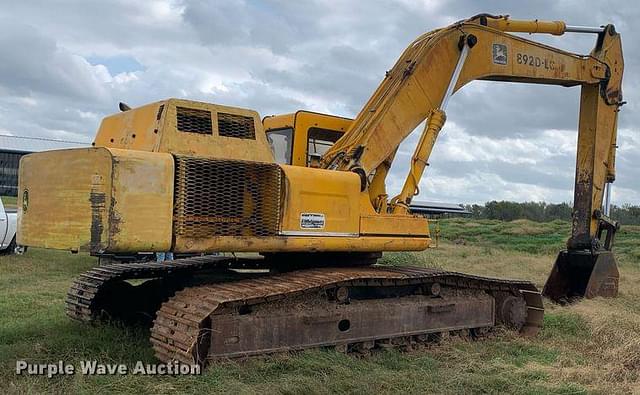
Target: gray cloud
pixel 280 56
pixel 35 64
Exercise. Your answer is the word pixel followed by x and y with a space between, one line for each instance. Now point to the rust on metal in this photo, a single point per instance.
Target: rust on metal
pixel 290 311
pixel 355 309
pixel 210 198
pixel 98 203
pixel 582 274
pixel 98 291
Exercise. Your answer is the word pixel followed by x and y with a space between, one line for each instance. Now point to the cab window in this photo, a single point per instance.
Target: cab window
pixel 319 141
pixel 281 142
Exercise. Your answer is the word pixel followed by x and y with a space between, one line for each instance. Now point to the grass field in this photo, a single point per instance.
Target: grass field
pixel 593 346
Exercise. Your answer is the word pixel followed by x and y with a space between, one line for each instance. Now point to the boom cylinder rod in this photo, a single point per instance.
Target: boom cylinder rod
pixel 607 199
pixel 583 29
pixel 435 121
pixel 454 77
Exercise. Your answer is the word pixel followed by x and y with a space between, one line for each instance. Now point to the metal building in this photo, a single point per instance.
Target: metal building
pixel 12 148
pixel 438 209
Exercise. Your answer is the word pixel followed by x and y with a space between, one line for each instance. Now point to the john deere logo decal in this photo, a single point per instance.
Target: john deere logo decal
pixel 499 54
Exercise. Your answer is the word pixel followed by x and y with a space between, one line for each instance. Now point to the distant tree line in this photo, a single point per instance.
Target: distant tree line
pixel 542 212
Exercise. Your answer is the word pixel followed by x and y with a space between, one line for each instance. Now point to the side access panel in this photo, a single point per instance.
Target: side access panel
pixel 320 203
pixel 97 200
pixel 64 199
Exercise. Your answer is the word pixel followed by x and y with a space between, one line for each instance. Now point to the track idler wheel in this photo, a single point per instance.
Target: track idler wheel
pixel 511 310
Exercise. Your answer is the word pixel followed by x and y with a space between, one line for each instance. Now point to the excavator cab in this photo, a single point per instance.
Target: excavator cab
pixel 301 138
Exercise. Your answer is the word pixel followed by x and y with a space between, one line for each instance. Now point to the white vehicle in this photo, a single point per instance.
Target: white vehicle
pixel 8 222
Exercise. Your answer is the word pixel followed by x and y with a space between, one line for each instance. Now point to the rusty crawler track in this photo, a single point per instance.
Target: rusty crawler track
pixel 88 293
pixel 183 329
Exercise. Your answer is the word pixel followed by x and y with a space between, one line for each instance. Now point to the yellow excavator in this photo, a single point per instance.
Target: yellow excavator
pixel 305 193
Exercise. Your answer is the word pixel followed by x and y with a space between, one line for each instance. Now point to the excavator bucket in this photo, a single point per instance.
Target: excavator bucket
pixel 582 274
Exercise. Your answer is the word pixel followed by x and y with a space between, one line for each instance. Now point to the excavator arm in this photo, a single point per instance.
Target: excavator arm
pixel 440 62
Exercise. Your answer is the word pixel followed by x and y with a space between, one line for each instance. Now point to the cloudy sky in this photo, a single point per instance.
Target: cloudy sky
pixel 66 64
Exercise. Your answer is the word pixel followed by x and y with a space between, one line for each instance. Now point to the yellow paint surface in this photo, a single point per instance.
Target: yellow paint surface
pixel 149 129
pixel 301 122
pixel 96 199
pixel 399 225
pixel 307 244
pixel 142 194
pixel 333 195
pixel 65 191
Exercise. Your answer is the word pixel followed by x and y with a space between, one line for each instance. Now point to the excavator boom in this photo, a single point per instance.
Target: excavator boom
pixel 441 62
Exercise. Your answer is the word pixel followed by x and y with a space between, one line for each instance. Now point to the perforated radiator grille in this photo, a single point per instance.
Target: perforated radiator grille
pixel 226 198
